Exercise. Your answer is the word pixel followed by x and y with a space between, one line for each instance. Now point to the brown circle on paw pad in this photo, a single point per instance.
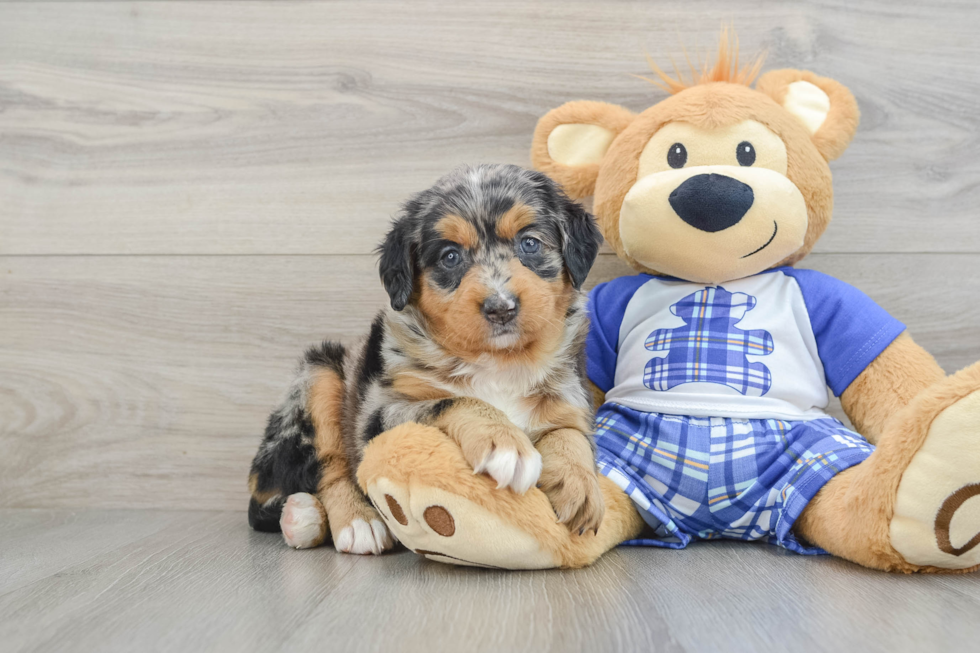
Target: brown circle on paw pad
pixel 439 520
pixel 396 510
pixel 945 518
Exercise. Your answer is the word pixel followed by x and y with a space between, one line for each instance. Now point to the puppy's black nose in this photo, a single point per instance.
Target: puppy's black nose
pixel 499 309
pixel 712 202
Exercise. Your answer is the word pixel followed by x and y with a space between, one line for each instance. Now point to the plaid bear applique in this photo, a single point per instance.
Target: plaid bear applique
pixel 710 348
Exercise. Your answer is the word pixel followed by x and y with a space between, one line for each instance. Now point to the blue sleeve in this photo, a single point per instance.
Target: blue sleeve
pixel 606 307
pixel 850 329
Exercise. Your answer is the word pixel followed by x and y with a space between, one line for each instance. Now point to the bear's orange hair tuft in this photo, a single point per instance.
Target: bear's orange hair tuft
pixel 725 68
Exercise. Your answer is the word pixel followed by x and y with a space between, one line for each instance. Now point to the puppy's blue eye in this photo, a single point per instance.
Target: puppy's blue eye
pixel 450 258
pixel 530 245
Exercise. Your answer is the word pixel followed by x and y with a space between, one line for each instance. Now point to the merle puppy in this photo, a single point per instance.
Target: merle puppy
pixel 484 340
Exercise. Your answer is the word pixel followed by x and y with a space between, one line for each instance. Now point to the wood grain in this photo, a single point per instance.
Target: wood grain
pixel 189 195
pixel 146 381
pixel 188 192
pixel 201 581
pixel 299 127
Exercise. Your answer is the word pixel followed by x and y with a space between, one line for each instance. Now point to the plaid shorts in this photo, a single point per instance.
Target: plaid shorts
pixel 714 477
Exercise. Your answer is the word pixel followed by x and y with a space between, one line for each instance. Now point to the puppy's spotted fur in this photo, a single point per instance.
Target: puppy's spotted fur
pixel 484 340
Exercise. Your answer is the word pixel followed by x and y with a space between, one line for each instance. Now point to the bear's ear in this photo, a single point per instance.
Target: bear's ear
pixel 570 141
pixel 825 107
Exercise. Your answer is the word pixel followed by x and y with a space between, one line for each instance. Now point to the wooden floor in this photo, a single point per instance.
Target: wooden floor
pixel 123 580
pixel 190 193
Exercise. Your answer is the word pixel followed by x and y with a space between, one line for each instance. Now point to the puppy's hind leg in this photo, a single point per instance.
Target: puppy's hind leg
pixel 354 525
pixel 284 473
pixel 303 521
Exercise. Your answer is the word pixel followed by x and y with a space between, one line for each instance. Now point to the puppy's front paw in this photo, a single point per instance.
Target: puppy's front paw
pixel 506 455
pixel 362 538
pixel 575 495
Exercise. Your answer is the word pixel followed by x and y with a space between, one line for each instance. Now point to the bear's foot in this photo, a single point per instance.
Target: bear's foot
pixel 936 522
pixel 434 504
pixel 914 504
pixel 446 527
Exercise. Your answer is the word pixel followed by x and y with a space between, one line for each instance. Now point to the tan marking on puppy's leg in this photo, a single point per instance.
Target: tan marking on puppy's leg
pixel 491 443
pixel 261 498
pixel 549 413
pixel 568 477
pixel 459 230
pixel 354 524
pixel 516 218
pixel 598 396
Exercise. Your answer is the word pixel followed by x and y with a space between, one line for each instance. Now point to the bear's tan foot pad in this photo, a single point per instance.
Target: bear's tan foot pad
pixel 936 522
pixel 435 505
pixel 448 528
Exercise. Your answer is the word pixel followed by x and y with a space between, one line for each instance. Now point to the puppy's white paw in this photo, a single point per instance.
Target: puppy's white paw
pixel 362 538
pixel 508 468
pixel 302 521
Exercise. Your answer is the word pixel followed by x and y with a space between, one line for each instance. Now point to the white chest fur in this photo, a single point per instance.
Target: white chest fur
pixel 505 399
pixel 505 389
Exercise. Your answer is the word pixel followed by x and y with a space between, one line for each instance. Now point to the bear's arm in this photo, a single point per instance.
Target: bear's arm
pixel 889 383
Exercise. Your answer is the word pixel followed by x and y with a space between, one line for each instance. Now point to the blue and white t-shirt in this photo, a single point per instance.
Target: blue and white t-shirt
pixel 763 347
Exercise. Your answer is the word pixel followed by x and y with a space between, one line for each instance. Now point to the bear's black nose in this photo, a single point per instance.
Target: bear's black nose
pixel 712 202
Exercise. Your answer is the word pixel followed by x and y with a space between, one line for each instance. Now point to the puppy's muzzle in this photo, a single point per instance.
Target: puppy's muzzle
pixel 712 202
pixel 500 309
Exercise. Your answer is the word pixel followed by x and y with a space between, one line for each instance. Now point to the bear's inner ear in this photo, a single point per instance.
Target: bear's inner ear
pixel 824 107
pixel 577 144
pixel 571 141
pixel 807 102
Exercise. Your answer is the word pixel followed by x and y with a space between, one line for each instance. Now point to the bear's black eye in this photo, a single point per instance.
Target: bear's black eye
pixel 745 154
pixel 530 245
pixel 676 156
pixel 450 258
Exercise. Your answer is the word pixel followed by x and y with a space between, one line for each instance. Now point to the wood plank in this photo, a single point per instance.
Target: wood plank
pixel 257 127
pixel 205 582
pixel 152 377
pixel 38 544
pixel 146 381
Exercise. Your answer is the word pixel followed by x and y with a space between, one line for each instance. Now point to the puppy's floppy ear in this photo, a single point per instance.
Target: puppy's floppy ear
pixel 826 108
pixel 395 264
pixel 570 141
pixel 580 241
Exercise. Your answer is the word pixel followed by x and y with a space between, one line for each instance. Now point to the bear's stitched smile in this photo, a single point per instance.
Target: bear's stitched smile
pixel 775 228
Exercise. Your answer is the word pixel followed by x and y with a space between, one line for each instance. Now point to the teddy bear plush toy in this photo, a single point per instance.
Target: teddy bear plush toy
pixel 712 365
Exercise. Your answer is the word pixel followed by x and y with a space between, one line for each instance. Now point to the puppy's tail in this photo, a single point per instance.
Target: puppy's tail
pixel 287 460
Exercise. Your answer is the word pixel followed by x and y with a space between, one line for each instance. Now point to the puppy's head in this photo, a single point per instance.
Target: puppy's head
pixel 492 258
